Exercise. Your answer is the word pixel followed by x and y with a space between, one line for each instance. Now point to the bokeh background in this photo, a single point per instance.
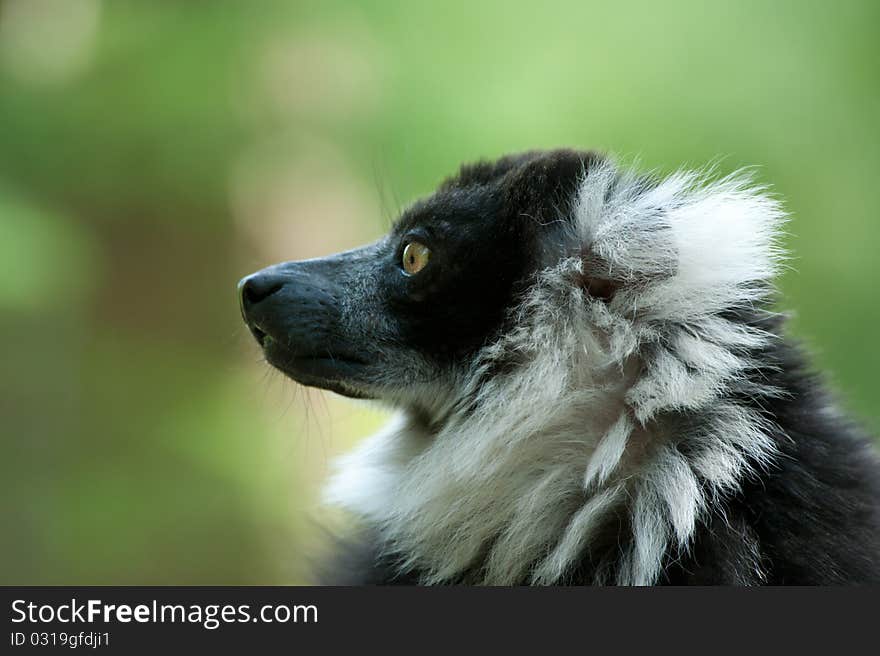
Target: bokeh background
pixel 153 152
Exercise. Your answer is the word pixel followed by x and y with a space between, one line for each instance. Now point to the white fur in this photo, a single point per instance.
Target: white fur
pixel 515 488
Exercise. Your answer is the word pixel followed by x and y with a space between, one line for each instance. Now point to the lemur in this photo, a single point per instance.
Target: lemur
pixel 590 384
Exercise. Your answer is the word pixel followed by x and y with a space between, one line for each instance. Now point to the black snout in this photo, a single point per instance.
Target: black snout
pixel 295 312
pixel 293 306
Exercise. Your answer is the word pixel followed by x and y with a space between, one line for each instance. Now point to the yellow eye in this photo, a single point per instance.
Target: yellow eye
pixel 415 257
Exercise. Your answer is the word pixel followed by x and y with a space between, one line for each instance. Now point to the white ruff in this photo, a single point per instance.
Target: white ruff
pixel 515 489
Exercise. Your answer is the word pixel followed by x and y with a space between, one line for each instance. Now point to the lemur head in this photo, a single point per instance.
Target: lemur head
pixel 401 319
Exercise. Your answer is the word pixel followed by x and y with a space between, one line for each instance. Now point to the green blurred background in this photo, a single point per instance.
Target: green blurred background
pixel 151 153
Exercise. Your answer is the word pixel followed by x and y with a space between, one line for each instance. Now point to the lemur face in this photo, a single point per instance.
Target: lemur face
pixel 397 318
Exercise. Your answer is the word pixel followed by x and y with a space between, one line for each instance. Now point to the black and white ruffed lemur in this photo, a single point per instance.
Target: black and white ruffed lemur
pixel 590 387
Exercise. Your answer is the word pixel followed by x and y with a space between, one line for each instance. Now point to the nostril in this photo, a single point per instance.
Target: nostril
pixel 258 287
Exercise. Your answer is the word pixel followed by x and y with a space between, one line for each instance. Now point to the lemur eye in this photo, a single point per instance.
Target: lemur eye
pixel 415 257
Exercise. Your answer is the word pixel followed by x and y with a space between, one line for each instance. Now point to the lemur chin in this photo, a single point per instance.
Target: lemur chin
pixel 590 386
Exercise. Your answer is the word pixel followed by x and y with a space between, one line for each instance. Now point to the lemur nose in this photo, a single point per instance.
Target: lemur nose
pixel 256 288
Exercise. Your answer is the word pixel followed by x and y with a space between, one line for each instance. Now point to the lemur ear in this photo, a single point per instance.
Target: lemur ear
pixel 545 185
pixel 595 284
